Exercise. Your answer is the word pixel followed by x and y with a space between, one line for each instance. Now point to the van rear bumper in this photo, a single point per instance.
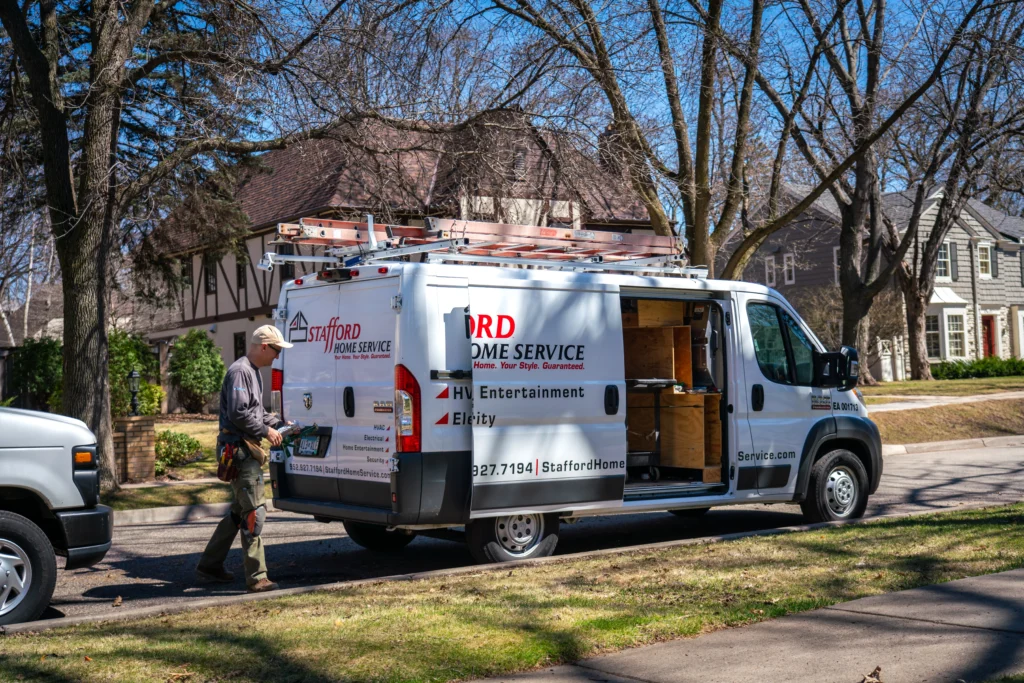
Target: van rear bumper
pixel 428 488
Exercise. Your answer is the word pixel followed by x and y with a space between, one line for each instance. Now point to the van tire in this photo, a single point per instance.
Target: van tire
pixel 19 537
pixel 377 537
pixel 838 488
pixel 488 545
pixel 690 513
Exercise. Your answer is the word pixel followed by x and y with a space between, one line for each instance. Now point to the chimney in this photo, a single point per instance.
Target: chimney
pixel 608 150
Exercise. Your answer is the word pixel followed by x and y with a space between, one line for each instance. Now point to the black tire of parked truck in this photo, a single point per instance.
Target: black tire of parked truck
pixel 28 569
pixel 690 513
pixel 512 537
pixel 838 488
pixel 376 537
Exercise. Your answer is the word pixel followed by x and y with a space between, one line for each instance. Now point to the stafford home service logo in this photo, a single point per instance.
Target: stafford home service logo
pixel 298 328
pixel 307 400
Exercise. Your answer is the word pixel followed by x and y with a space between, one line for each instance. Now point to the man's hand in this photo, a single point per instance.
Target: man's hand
pixel 273 436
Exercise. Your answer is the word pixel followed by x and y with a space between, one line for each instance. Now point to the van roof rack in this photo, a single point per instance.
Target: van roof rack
pixel 347 244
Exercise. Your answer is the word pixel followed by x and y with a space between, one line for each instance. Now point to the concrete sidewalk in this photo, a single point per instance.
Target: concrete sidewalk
pixel 919 402
pixel 969 630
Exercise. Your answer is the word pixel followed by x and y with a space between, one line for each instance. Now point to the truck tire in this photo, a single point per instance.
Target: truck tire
pixel 690 513
pixel 377 537
pixel 838 488
pixel 512 537
pixel 28 569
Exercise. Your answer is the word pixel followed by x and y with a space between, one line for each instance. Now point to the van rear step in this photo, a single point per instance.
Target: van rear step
pixel 666 490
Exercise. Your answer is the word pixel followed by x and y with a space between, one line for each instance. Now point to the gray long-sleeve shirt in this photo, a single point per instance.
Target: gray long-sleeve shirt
pixel 241 401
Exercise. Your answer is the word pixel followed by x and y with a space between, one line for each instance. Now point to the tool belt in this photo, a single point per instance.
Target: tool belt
pixel 234 450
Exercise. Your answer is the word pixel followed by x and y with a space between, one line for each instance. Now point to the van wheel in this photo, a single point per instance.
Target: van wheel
pixel 513 537
pixel 690 513
pixel 28 569
pixel 377 537
pixel 838 488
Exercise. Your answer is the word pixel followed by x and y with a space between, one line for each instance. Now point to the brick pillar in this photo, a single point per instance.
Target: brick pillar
pixel 135 448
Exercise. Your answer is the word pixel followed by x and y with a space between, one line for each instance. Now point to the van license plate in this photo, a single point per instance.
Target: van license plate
pixel 309 446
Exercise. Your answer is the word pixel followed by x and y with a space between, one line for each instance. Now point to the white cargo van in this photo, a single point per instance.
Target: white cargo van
pixel 450 393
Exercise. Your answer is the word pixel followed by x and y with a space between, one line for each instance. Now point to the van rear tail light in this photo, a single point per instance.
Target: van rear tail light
pixel 276 385
pixel 407 411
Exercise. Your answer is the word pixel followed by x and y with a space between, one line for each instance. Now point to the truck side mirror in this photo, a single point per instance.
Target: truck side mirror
pixel 840 369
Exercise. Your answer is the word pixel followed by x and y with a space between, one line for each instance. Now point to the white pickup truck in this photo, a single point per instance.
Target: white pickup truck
pixel 49 505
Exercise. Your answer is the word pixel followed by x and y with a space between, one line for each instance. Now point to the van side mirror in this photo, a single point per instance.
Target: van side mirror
pixel 840 369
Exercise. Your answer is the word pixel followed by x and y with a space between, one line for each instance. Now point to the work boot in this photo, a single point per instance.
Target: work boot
pixel 217 575
pixel 262 586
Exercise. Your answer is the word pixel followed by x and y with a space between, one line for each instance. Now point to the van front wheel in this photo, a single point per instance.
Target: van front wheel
pixel 838 488
pixel 377 537
pixel 513 537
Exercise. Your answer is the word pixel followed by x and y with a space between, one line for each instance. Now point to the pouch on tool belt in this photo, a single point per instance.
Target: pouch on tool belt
pixel 227 465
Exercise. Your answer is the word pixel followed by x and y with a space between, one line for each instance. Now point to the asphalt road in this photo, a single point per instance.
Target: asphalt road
pixel 152 564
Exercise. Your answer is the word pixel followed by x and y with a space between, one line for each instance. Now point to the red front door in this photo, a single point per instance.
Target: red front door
pixel 988 335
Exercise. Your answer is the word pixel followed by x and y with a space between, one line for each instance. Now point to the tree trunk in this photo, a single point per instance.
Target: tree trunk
pixel 86 387
pixel 864 345
pixel 917 308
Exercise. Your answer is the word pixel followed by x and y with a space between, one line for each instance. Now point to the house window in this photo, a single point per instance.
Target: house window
pixel 769 271
pixel 931 336
pixel 240 274
pixel 955 329
pixel 287 269
pixel 942 265
pixel 519 164
pixel 210 279
pixel 186 272
pixel 985 260
pixel 835 263
pixel 789 268
pixel 239 345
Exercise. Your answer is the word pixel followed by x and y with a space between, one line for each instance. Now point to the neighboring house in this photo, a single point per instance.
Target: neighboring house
pixel 977 308
pixel 497 170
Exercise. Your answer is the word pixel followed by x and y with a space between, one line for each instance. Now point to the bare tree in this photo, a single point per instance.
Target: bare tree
pixel 975 112
pixel 849 111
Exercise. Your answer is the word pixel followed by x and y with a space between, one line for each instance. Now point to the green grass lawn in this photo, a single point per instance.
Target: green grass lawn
pixel 498 621
pixel 948 423
pixel 947 387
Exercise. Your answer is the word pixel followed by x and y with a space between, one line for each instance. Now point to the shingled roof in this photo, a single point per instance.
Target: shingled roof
pixel 381 169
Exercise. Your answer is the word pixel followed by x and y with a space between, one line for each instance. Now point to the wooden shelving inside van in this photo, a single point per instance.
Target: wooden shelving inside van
pixel 673 405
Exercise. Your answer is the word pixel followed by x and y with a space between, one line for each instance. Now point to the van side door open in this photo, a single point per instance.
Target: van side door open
pixel 549 406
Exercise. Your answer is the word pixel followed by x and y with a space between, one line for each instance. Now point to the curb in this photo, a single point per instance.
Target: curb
pixel 989 442
pixel 33 627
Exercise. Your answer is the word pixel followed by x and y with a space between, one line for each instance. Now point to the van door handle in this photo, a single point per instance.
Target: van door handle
pixel 611 400
pixel 757 397
pixel 349 402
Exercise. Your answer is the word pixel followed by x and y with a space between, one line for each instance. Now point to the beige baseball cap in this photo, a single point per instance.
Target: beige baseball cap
pixel 268 334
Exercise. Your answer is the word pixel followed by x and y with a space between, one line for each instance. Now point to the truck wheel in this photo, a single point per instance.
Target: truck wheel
pixel 838 488
pixel 28 569
pixel 513 537
pixel 377 537
pixel 690 513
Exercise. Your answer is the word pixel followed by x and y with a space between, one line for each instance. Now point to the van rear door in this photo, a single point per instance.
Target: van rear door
pixel 549 408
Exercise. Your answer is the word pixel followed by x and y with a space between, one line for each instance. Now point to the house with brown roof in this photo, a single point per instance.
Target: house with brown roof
pixel 499 169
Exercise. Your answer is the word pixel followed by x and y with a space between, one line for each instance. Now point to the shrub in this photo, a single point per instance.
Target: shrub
pixel 982 367
pixel 196 369
pixel 150 398
pixel 174 449
pixel 36 371
pixel 129 352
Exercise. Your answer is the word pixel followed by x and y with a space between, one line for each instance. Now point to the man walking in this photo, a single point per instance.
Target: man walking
pixel 243 424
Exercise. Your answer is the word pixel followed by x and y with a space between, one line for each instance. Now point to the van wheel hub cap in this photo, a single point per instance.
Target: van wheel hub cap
pixel 519 534
pixel 841 491
pixel 15 575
